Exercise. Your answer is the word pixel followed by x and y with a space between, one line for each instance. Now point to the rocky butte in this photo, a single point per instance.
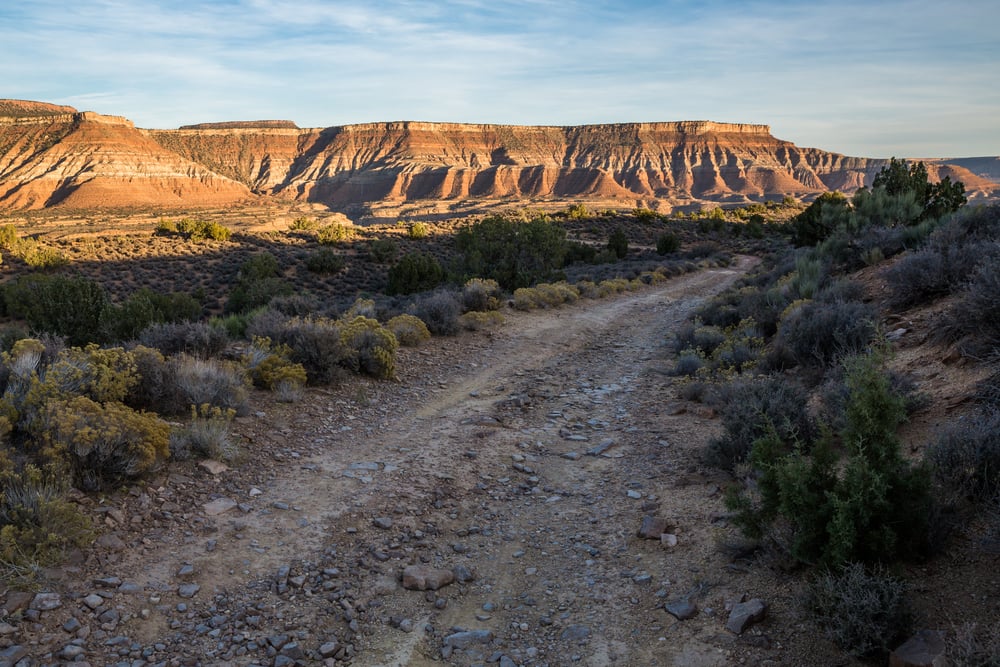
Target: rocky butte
pixel 57 156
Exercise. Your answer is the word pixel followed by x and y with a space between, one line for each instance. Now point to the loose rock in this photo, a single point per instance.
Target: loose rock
pixel 426 578
pixel 746 614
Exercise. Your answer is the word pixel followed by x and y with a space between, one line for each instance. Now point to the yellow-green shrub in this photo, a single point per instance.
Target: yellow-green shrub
pixel 334 233
pixel 104 444
pixel 269 364
pixel 409 330
pixel 371 347
pixel 207 434
pixel 477 320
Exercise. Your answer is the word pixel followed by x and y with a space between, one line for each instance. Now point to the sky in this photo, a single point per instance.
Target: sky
pixel 871 78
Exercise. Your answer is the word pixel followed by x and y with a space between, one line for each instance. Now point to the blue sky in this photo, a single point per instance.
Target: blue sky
pixel 871 78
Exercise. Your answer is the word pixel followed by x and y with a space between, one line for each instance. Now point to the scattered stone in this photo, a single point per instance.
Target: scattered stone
pixel 745 614
pixel 213 467
pixel 575 633
pixel 572 456
pixel 185 571
pixel 93 600
pixel 682 609
pixel 426 578
pixel 924 649
pixel 8 629
pixel 219 506
pixel 188 590
pixel 46 602
pixel 463 575
pixel 653 527
pixel 329 649
pixel 602 447
pixel 383 522
pixel 108 582
pixel 466 638
pixel 12 654
pixel 111 542
pixel 668 540
pixel 633 494
pixel 643 578
pixel 254 492
pixel 406 625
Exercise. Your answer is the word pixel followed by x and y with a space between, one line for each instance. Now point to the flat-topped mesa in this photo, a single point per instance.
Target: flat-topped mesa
pixel 244 125
pixel 92 117
pixel 27 108
pixel 693 127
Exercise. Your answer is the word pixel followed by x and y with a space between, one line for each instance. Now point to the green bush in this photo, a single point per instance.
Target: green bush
pixel 199 230
pixel 197 338
pixel 667 243
pixel 259 266
pixel 872 507
pixel 383 251
pixel 334 233
pixel 863 611
pixel 618 243
pixel 816 334
pixel 515 254
pixel 476 320
pixel 645 215
pixel 270 365
pixel 61 305
pixel 315 343
pixel 409 330
pixel 415 272
pixel 479 295
pixel 325 261
pixel 252 294
pixel 145 308
pixel 303 224
pixel 820 219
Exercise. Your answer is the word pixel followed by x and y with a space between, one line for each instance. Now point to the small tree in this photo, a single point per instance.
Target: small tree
pixel 415 272
pixel 618 243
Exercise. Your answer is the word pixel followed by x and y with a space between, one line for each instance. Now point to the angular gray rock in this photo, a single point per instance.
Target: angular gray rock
pixel 652 527
pixel 746 614
pixel 924 649
pixel 466 638
pixel 682 609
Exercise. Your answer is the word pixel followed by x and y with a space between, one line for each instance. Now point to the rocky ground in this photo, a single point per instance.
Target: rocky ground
pixel 531 497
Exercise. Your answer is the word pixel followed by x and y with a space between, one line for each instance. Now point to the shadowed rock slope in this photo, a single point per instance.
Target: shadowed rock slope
pixel 52 155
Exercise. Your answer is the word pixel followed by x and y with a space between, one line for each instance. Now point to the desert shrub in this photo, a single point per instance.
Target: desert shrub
pixel 259 266
pixel 334 233
pixel 220 383
pixel 105 444
pixel 38 524
pixel 645 215
pixel 965 457
pixel 988 391
pixel 480 294
pixel 809 275
pixel 207 434
pixel 39 256
pixel 295 304
pixel 103 375
pixel 816 334
pixel 840 291
pixel 62 305
pixel 689 362
pixel 863 611
pixel 439 311
pixel 418 230
pixel 977 312
pixel 528 298
pixel 251 294
pixel 578 252
pixel 479 320
pixel 702 250
pixel 144 308
pixel 667 243
pixel 154 386
pixel 315 343
pixel 753 409
pixel 8 237
pixel 935 271
pixel 371 347
pixel 698 337
pixel 611 286
pixel 269 364
pixel 288 391
pixel 196 338
pixel 577 211
pixel 515 254
pixel 325 261
pixel 415 272
pixel 383 251
pixel 618 243
pixel 409 330
pixel 868 505
pixel 971 645
pixel 361 308
pixel 303 224
pixel 200 230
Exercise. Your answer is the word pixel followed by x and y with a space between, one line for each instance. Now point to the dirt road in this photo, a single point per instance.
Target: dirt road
pixel 522 464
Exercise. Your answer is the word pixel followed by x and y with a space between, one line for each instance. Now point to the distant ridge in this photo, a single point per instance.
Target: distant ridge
pixel 52 155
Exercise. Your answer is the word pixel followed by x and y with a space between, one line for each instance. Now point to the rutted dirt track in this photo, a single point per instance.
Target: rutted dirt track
pixel 524 462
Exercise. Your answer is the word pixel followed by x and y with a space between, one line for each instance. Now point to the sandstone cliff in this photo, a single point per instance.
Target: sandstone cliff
pixel 57 156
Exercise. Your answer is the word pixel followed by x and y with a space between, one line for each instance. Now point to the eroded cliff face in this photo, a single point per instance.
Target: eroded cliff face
pixel 66 158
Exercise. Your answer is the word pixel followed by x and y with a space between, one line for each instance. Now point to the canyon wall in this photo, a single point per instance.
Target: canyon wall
pixel 56 156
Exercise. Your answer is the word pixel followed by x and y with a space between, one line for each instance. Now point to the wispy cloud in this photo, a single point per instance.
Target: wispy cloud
pixel 900 77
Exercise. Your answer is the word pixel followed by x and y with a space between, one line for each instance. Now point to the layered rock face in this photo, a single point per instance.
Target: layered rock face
pixel 58 156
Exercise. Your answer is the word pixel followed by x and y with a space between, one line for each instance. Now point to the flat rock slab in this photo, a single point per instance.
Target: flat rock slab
pixel 924 649
pixel 746 614
pixel 219 506
pixel 653 527
pixel 424 578
pixel 213 467
pixel 466 638
pixel 46 602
